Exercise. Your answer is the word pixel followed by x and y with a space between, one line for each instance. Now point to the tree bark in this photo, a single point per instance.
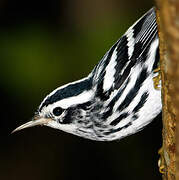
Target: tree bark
pixel 168 21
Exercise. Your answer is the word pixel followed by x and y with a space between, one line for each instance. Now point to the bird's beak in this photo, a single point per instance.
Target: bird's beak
pixel 36 121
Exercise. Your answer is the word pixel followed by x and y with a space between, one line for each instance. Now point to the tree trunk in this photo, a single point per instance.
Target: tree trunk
pixel 168 21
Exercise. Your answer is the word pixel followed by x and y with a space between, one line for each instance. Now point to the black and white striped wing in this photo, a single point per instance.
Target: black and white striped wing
pixel 123 78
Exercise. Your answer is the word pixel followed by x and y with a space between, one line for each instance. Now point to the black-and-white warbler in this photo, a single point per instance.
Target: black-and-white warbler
pixel 118 97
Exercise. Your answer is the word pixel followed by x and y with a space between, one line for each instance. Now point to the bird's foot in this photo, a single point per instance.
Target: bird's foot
pixel 161 161
pixel 157 79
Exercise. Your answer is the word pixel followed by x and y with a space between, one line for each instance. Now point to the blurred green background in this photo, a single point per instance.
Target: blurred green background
pixel 43 45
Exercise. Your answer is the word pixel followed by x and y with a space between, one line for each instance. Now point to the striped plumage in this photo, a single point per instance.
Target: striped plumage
pixel 118 97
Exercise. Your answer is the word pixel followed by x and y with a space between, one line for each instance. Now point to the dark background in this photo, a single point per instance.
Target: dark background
pixel 45 44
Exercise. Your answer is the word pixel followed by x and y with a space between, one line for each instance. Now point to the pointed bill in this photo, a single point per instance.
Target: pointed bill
pixel 35 122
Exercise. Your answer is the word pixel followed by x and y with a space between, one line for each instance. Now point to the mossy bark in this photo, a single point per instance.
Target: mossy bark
pixel 168 21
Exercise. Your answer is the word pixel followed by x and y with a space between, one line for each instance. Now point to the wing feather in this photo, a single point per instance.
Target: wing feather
pixel 131 49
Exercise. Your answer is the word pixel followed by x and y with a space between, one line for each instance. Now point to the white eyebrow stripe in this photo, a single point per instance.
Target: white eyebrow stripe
pixel 79 99
pixel 61 87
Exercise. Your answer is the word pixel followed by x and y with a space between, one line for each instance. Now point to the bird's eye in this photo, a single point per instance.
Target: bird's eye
pixel 57 111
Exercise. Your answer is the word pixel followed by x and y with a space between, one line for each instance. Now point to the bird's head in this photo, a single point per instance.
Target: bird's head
pixel 66 108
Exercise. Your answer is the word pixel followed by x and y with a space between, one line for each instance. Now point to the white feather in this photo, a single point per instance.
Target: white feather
pixel 110 72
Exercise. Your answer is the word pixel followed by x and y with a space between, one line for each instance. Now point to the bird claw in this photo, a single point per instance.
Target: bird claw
pixel 157 79
pixel 161 163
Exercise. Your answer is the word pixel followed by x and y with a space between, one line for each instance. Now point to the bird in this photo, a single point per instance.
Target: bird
pixel 118 98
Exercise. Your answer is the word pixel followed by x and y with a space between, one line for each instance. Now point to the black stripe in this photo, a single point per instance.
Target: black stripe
pixel 134 117
pixel 157 58
pixel 122 54
pixel 122 59
pixel 118 129
pixel 133 92
pixel 104 96
pixel 137 28
pixel 84 106
pixel 121 78
pixel 116 121
pixel 141 103
pixel 114 100
pixel 69 91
